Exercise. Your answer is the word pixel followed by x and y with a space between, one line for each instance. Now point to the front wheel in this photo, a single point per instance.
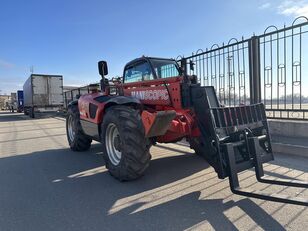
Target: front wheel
pixel 78 141
pixel 126 150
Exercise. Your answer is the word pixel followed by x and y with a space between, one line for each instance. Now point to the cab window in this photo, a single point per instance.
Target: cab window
pixel 139 72
pixel 165 68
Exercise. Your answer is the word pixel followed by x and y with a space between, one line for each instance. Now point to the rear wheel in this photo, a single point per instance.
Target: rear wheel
pixel 77 140
pixel 126 150
pixel 31 112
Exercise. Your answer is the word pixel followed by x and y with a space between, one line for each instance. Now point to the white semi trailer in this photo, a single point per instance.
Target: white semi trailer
pixel 43 93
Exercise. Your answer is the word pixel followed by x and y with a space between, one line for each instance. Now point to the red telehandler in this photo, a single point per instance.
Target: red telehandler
pixel 156 102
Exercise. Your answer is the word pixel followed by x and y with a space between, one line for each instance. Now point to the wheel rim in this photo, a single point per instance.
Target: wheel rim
pixel 113 144
pixel 70 128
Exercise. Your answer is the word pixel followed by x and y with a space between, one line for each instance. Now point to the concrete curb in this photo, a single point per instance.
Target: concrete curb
pixel 290 149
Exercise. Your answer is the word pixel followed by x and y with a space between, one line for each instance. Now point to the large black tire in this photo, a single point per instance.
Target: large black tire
pixel 31 113
pixel 78 141
pixel 123 132
pixel 197 145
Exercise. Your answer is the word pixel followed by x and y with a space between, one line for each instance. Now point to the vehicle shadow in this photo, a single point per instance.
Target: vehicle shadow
pixel 5 112
pixel 31 130
pixel 10 117
pixel 62 190
pixel 287 161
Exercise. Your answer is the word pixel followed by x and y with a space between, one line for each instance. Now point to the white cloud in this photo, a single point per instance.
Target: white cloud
pixel 5 64
pixel 265 6
pixel 293 8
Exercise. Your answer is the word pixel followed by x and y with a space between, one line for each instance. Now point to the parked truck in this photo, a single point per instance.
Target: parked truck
pixel 20 101
pixel 43 93
pixel 13 102
pixel 4 102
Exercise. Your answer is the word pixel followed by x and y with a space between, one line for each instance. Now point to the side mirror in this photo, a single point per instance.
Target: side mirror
pixel 102 68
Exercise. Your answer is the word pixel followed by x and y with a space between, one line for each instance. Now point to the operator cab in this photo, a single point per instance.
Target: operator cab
pixel 149 68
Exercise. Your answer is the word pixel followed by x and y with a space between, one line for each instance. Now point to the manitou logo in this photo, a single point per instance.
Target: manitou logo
pixel 151 94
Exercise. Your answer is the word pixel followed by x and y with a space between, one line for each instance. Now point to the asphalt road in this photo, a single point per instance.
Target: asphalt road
pixel 46 186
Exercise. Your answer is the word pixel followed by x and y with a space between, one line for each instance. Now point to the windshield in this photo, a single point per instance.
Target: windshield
pixel 165 68
pixel 139 72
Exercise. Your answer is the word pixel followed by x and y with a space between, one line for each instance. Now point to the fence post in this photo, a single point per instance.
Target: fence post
pixel 184 65
pixel 254 70
pixel 72 97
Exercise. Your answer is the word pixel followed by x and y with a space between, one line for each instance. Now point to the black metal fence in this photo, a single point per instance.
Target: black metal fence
pixel 71 95
pixel 284 65
pixel 226 68
pixel 272 68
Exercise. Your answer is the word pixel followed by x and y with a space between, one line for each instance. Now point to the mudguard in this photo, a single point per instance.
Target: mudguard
pixel 122 100
pixel 74 102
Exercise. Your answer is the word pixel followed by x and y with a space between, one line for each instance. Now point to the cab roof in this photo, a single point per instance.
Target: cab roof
pixel 144 58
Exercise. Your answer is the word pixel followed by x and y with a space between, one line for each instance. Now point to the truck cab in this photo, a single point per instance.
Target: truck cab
pixel 150 68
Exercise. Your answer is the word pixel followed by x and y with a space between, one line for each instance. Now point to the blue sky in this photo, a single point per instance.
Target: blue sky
pixel 69 37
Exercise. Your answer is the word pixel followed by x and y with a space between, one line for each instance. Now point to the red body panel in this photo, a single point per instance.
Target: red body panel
pixel 159 92
pixel 84 103
pixel 154 95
